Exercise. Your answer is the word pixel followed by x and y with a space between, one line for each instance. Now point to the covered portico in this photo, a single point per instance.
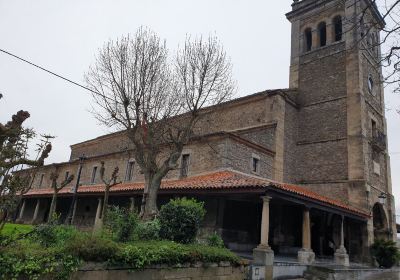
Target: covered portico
pixel 298 222
pixel 250 213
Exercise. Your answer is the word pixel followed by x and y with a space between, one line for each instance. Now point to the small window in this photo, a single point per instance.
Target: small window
pixel 41 180
pixel 322 34
pixel 66 175
pixel 308 39
pixel 94 172
pixel 371 85
pixel 255 165
pixel 185 165
pixel 337 24
pixel 129 170
pixel 373 128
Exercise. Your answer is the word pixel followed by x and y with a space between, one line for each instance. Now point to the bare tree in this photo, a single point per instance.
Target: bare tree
pixel 14 142
pixel 56 189
pixel 379 33
pixel 108 184
pixel 156 99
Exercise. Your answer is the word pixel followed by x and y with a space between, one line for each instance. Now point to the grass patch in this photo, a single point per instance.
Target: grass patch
pixel 10 229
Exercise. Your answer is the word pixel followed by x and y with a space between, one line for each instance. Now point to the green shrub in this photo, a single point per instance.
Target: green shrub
pixel 91 248
pixel 180 219
pixel 120 223
pixel 51 235
pixel 214 240
pixel 385 252
pixel 148 230
pixel 140 255
pixel 36 262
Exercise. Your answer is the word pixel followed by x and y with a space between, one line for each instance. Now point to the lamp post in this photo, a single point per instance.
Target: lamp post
pixel 72 208
pixel 382 198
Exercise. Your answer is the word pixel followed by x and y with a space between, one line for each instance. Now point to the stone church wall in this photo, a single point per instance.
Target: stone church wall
pixel 322 145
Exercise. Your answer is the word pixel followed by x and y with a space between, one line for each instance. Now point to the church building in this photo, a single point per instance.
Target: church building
pixel 302 171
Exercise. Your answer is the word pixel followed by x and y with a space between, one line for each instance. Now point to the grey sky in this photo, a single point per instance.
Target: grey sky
pixel 65 35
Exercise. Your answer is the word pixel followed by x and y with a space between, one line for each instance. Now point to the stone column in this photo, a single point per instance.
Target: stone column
pixel 98 221
pixel 330 33
pixel 36 213
pixel 341 256
pixel 315 39
pixel 306 255
pixel 263 254
pixel 132 204
pixel 21 212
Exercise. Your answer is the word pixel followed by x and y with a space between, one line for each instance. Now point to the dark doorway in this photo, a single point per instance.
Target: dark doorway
pixel 241 222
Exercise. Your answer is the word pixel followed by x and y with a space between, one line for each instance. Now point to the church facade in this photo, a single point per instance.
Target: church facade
pixel 302 171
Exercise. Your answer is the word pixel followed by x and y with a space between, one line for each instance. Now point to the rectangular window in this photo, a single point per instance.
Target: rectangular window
pixel 185 165
pixel 93 179
pixel 254 165
pixel 129 171
pixel 41 180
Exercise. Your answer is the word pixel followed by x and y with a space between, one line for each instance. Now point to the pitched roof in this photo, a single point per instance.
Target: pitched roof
pixel 219 180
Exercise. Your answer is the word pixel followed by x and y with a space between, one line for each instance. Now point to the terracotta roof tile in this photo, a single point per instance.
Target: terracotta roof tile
pixel 213 181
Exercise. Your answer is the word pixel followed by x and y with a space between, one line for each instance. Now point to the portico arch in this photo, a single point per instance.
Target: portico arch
pixel 380 221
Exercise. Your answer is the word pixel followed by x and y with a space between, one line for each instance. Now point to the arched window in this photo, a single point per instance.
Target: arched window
pixel 338 29
pixel 308 39
pixel 322 34
pixel 371 85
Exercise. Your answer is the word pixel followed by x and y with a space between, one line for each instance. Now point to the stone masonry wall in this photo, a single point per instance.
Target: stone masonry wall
pixel 206 155
pixel 290 143
pixel 322 145
pixel 225 118
pixel 239 157
pixel 223 271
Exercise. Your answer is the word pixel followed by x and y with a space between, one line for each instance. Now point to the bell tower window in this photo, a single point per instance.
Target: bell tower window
pixel 308 39
pixel 337 25
pixel 322 34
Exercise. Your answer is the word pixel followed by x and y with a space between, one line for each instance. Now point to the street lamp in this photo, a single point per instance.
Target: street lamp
pixel 382 198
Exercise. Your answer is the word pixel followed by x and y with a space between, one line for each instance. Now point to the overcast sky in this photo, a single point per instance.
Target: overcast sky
pixel 65 35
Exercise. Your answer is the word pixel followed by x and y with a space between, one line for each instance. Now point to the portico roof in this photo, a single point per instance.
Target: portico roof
pixel 227 181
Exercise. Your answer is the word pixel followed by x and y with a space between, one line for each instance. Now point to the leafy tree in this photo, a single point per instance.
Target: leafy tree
pixel 14 141
pixel 138 88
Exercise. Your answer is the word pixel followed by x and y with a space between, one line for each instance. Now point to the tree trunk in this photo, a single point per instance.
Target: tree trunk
pixel 3 218
pixel 149 202
pixel 53 206
pixel 105 203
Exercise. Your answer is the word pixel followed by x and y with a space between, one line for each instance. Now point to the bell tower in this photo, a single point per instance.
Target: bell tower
pixel 341 147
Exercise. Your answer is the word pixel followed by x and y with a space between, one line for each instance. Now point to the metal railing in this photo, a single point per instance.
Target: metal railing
pixel 379 141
